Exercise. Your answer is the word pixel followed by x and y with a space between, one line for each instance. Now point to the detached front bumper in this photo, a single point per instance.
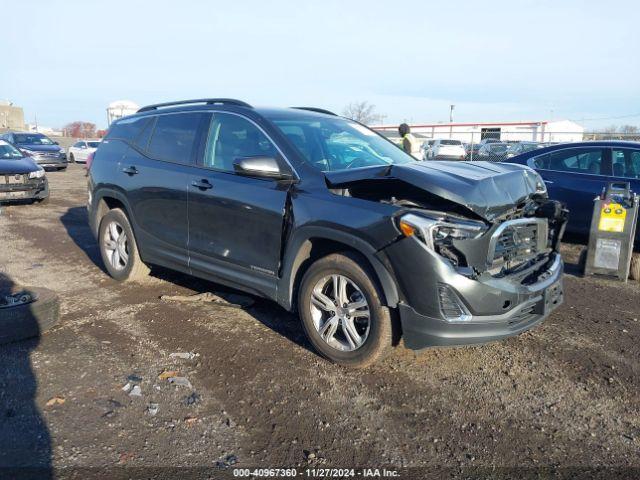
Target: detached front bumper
pixel 491 308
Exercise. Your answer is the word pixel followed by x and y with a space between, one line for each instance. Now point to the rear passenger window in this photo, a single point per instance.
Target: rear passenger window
pixel 174 137
pixel 625 163
pixel 579 160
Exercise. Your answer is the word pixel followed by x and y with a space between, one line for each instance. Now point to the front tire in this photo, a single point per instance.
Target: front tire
pixel 342 313
pixel 72 158
pixel 119 249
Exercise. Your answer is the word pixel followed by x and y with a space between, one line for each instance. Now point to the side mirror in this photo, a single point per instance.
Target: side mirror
pixel 260 167
pixel 56 143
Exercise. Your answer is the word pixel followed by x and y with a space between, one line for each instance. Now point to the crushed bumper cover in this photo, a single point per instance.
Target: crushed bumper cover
pixel 497 307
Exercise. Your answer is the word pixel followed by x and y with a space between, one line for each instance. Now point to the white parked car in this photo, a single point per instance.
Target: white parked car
pixel 446 149
pixel 79 151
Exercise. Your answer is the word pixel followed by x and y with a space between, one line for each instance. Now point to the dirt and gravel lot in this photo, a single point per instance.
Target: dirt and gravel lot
pixel 564 396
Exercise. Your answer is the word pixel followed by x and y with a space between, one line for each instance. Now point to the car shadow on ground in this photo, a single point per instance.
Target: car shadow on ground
pixel 25 443
pixel 75 221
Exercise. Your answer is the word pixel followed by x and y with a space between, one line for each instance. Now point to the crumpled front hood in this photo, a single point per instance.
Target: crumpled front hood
pixel 488 189
pixel 18 165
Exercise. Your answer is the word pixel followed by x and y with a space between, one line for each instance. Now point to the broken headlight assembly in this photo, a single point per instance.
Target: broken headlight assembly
pixel 437 231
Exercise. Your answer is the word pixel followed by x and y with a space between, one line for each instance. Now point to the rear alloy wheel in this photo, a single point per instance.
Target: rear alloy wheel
pixel 342 311
pixel 118 247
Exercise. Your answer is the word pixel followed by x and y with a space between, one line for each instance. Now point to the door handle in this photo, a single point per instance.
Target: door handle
pixel 202 184
pixel 130 170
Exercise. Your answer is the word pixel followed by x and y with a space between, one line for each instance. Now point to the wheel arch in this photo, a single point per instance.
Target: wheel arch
pixel 312 243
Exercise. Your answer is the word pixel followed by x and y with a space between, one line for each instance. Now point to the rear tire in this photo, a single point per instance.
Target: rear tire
pixel 119 249
pixel 72 158
pixel 339 347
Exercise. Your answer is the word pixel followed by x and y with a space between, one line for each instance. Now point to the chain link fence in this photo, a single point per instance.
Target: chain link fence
pixel 496 146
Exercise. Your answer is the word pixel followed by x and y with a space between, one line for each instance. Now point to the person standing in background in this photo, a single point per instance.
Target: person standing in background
pixel 408 141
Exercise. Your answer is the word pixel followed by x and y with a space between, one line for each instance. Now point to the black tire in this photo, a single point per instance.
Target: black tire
pixel 72 158
pixel 379 341
pixel 134 269
pixel 43 201
pixel 634 270
pixel 30 319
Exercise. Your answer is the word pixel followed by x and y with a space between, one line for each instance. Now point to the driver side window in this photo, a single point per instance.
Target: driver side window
pixel 232 137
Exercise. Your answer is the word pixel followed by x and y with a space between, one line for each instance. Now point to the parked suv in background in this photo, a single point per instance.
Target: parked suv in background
pixel 44 151
pixel 330 219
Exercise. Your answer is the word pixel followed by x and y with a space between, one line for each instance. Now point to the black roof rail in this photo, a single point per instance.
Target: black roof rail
pixel 317 110
pixel 207 101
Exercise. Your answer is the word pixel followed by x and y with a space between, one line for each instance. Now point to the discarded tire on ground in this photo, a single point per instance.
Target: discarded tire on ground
pixel 27 312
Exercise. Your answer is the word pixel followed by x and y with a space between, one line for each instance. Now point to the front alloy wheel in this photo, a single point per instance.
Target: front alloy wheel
pixel 342 310
pixel 340 313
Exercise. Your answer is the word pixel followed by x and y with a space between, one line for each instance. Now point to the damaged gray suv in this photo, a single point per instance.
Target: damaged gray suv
pixel 331 220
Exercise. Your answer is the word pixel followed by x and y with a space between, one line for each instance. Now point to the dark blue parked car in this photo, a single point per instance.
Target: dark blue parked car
pixel 576 172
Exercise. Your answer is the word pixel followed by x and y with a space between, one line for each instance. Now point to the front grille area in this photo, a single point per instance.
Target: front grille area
pixel 14 179
pixel 516 242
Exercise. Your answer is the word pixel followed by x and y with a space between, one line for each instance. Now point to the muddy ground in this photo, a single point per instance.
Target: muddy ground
pixel 564 396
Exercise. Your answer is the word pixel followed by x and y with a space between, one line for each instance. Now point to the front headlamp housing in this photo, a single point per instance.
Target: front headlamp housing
pixel 37 174
pixel 437 231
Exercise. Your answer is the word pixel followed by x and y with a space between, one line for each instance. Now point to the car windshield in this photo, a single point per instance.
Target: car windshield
pixel 93 144
pixel 8 152
pixel 338 144
pixel 29 139
pixel 450 142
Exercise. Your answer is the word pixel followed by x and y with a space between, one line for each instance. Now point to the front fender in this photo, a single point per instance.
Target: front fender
pixel 298 250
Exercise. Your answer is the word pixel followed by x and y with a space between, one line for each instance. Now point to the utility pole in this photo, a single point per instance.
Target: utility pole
pixel 451 107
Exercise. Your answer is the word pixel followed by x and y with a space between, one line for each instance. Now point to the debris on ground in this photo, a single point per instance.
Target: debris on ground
pixel 184 355
pixel 180 381
pixel 134 378
pixel 127 387
pixel 168 374
pixel 232 300
pixel 227 462
pixel 192 399
pixel 152 409
pixel 136 391
pixel 57 400
pixel 189 420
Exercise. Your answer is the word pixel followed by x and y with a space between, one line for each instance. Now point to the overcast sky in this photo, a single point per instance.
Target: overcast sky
pixel 495 60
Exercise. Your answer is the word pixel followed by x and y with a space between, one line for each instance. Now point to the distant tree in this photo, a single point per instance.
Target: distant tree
pixel 628 129
pixel 362 112
pixel 614 132
pixel 79 129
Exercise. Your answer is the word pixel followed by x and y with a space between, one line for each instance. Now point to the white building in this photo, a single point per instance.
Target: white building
pixel 543 131
pixel 119 109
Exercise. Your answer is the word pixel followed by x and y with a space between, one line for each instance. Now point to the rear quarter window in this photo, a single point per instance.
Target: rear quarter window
pixel 127 129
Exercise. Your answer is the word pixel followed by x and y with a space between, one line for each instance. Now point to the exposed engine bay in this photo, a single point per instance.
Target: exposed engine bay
pixel 518 225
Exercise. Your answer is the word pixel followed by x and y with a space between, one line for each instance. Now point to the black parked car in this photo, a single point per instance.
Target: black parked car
pixel 20 177
pixel 44 151
pixel 330 219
